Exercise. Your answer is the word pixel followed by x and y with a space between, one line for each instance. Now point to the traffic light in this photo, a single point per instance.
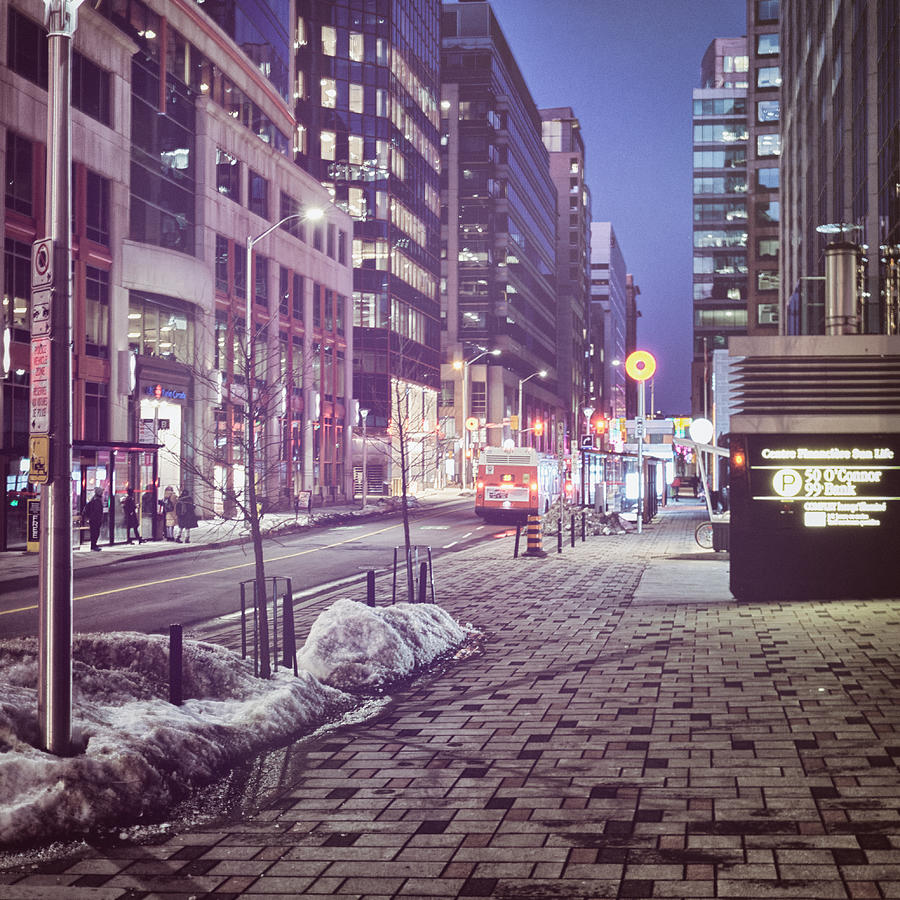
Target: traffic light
pixel 538 427
pixel 601 425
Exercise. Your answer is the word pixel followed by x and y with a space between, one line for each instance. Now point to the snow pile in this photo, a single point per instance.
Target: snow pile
pixel 141 754
pixel 352 646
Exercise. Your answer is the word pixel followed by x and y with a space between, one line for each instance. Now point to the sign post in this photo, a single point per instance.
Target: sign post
pixel 51 394
pixel 640 366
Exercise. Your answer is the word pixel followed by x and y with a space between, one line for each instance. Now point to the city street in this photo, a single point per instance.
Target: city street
pixel 627 729
pixel 133 588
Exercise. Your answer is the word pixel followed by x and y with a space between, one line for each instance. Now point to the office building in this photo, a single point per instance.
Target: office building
pixel 840 165
pixel 182 140
pixel 609 322
pixel 565 144
pixel 498 240
pixel 719 209
pixel 763 152
pixel 366 101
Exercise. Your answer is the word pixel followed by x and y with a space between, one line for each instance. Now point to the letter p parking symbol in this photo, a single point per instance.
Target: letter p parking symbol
pixel 787 482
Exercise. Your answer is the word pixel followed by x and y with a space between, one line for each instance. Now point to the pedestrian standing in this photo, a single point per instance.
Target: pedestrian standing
pixel 93 513
pixel 169 513
pixel 131 518
pixel 186 514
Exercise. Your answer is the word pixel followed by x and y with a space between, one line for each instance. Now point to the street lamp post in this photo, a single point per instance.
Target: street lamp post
pixel 51 394
pixel 519 430
pixel 364 413
pixel 312 214
pixel 252 510
pixel 463 365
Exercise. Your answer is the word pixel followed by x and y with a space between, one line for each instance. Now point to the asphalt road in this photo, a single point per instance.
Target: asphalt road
pixel 147 595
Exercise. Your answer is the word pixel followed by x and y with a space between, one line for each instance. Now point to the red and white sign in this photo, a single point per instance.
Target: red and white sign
pixel 42 263
pixel 40 385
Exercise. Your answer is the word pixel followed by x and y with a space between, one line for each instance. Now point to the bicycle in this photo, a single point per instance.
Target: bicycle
pixel 703 535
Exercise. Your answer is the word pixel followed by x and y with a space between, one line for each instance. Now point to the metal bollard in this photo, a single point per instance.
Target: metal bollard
pixel 583 517
pixel 370 587
pixel 516 548
pixel 572 530
pixel 423 581
pixel 559 531
pixel 176 687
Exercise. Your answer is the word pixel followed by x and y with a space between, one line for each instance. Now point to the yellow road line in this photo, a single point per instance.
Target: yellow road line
pixel 244 565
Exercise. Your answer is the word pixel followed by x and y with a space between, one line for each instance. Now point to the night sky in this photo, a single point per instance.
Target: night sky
pixel 627 70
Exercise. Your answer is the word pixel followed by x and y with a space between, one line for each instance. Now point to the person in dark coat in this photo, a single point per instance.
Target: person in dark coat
pixel 131 518
pixel 93 515
pixel 187 516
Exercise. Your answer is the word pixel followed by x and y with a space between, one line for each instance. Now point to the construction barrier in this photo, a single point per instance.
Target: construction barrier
pixel 534 537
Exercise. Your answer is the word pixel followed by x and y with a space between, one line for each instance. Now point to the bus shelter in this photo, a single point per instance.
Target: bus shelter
pixel 112 466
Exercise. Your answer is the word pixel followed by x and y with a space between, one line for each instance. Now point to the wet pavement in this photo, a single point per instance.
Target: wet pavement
pixel 627 729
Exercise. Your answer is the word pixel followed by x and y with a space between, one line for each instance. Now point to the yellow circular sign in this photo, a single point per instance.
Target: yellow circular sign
pixel 472 423
pixel 640 365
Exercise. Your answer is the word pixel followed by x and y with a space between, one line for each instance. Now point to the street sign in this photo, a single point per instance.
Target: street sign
pixel 42 263
pixel 33 537
pixel 640 365
pixel 40 385
pixel 40 311
pixel 560 438
pixel 39 453
pixel 472 423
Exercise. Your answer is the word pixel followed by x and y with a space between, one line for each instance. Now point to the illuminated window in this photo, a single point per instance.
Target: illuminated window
pixel 356 203
pixel 328 93
pixel 300 88
pixel 357 48
pixel 328 140
pixel 301 39
pixel 768 77
pixel 356 98
pixel 355 149
pixel 300 139
pixel 329 40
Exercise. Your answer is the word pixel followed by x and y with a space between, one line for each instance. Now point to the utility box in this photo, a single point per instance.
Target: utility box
pixel 815 468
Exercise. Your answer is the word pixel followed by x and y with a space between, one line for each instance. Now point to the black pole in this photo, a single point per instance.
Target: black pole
pixel 516 550
pixel 559 531
pixel 176 691
pixel 243 623
pixel 370 587
pixel 583 517
pixel 572 530
pixel 423 581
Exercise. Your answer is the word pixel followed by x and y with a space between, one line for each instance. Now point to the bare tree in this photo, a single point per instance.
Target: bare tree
pixel 254 428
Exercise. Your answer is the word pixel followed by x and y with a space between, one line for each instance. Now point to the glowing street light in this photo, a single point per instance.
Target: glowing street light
pixel 543 374
pixel 463 366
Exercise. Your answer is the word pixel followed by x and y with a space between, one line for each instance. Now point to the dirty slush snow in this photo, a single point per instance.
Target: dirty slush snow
pixel 141 754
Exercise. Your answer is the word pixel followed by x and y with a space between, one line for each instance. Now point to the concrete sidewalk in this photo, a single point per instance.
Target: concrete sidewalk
pixel 628 730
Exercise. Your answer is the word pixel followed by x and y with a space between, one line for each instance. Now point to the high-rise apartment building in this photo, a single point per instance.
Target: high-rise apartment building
pixel 366 101
pixel 840 165
pixel 498 241
pixel 565 144
pixel 182 131
pixel 720 209
pixel 763 152
pixel 609 322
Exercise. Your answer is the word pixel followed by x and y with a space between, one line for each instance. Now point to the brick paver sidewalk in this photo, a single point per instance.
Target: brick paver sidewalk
pixel 629 730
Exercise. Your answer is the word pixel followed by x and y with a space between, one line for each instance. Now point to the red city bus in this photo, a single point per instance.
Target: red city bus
pixel 512 485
